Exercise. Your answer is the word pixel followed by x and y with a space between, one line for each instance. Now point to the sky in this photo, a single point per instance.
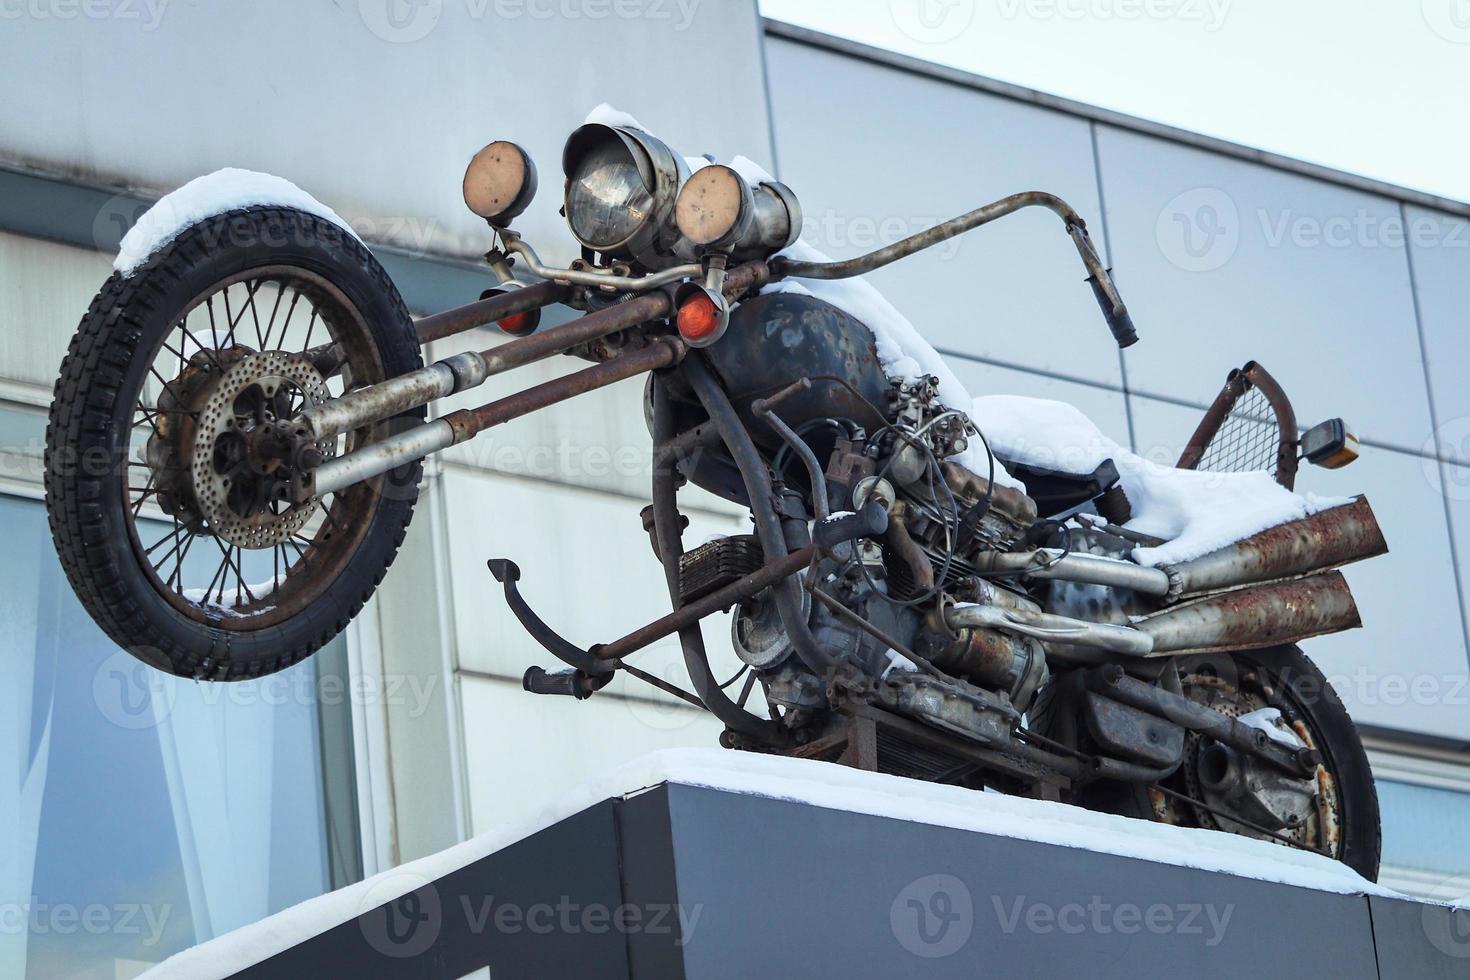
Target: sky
pixel 1379 88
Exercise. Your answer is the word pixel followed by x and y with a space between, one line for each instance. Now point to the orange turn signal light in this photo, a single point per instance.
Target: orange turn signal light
pixel 702 320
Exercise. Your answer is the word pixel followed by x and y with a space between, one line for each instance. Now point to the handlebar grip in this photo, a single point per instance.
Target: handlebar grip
pixel 870 522
pixel 572 684
pixel 1119 322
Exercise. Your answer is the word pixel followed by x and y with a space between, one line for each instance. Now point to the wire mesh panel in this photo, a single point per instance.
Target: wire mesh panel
pixel 1249 439
pixel 1251 427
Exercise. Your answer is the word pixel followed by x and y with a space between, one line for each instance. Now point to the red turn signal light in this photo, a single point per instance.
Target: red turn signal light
pixel 520 324
pixel 702 321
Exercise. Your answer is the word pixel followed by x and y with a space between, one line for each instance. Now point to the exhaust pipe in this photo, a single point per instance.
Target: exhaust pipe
pixel 1319 543
pixel 1244 619
pixel 1254 618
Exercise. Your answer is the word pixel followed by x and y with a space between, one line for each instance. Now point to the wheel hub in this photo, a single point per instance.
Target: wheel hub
pixel 234 469
pixel 1235 783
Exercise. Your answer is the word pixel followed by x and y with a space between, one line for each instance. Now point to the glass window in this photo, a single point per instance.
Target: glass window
pixel 145 813
pixel 1426 829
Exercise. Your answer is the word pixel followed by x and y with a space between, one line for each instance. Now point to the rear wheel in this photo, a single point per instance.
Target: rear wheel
pixel 1334 813
pixel 172 472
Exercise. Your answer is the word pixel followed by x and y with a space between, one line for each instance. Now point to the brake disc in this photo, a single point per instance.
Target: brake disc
pixel 241 494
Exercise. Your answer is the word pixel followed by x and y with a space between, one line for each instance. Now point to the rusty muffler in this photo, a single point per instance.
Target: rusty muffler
pixel 1254 618
pixel 1326 540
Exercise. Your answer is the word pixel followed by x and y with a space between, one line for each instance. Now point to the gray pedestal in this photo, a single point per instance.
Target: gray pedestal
pixel 685 882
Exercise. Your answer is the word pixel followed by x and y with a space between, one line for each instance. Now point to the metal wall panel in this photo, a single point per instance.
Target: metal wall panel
pixel 1440 248
pixel 877 154
pixel 1105 406
pixel 1223 261
pixel 1407 668
pixel 375 116
pixel 598 440
pixel 1452 482
pixel 44 291
pixel 524 749
pixel 586 564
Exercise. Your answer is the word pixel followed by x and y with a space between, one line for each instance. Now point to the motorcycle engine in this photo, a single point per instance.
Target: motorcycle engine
pixel 942 517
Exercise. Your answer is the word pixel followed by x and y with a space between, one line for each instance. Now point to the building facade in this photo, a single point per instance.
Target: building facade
pixel 181 810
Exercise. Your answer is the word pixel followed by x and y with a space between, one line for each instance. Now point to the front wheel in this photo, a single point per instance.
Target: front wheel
pixel 169 462
pixel 1334 813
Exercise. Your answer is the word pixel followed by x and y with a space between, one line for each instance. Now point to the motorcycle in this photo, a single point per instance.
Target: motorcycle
pixel 246 398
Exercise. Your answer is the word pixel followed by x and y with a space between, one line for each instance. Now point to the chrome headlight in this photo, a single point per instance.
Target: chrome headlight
pixel 621 187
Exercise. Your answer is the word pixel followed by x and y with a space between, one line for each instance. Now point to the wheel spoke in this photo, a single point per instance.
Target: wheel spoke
pixel 162 541
pixel 310 329
pixel 264 344
pixel 178 572
pixel 255 314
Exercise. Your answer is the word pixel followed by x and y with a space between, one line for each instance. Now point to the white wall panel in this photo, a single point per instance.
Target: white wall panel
pixel 599 440
pixel 525 751
pixel 378 118
pixel 1407 667
pixel 586 565
pixel 1106 408
pixel 877 154
pixel 1440 247
pixel 44 290
pixel 1223 261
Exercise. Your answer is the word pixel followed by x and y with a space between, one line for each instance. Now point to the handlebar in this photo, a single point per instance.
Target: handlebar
pixel 1113 309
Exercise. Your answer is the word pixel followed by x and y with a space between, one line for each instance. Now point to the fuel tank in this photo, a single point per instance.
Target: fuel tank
pixel 772 341
pixel 779 338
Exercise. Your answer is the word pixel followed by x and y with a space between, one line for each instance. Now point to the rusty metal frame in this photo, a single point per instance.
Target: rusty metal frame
pixel 1239 382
